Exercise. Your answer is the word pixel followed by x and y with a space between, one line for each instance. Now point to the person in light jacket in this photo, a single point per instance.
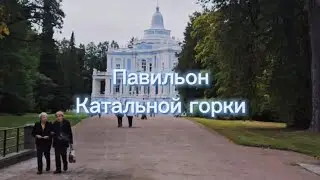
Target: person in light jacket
pixel 62 139
pixel 42 132
pixel 130 117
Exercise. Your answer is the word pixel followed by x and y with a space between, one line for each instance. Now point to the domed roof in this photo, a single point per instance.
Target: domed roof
pixel 157 20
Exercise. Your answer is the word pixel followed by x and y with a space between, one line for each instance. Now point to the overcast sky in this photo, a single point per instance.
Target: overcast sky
pixel 106 20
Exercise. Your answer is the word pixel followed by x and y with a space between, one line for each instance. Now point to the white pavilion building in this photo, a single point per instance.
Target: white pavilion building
pixel 154 53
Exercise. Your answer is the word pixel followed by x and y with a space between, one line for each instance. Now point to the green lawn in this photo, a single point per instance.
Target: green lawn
pixel 7 121
pixel 266 134
pixel 10 121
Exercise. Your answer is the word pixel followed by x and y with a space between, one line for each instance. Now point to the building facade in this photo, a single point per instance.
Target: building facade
pixel 154 53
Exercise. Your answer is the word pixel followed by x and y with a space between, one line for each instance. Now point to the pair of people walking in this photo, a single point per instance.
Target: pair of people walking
pixel 129 116
pixel 57 134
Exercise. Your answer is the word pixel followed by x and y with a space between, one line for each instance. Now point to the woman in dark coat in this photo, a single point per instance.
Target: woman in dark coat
pixel 42 132
pixel 62 139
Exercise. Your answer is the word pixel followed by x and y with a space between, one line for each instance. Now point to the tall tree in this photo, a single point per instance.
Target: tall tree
pixel 84 78
pixel 314 19
pixel 18 63
pixel 186 62
pixel 258 50
pixel 102 55
pixel 52 18
pixel 74 68
pixel 51 14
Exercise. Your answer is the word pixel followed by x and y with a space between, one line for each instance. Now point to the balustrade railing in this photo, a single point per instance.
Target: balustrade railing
pixel 13 140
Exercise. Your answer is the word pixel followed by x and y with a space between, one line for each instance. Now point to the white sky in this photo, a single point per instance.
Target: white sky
pixel 119 20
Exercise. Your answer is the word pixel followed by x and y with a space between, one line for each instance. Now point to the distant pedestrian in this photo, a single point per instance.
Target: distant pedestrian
pixel 130 118
pixel 119 117
pixel 152 114
pixel 144 116
pixel 42 132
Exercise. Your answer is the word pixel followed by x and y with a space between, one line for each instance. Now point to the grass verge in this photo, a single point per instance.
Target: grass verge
pixel 266 135
pixel 11 121
pixel 7 121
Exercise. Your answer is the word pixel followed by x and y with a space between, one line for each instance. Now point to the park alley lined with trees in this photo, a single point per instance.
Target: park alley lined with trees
pixel 257 50
pixel 264 51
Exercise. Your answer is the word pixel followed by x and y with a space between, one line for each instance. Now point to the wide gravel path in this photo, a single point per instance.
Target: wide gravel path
pixel 164 148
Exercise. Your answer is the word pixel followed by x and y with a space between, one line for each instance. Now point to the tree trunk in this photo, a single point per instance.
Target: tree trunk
pixel 314 20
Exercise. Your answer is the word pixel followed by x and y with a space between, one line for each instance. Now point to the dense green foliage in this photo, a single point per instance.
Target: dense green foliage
pixel 256 50
pixel 38 72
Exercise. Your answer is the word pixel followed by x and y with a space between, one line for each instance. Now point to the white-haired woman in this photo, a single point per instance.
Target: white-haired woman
pixel 42 132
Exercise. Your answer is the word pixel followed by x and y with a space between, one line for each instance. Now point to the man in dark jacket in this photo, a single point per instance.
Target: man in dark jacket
pixel 42 132
pixel 119 117
pixel 62 138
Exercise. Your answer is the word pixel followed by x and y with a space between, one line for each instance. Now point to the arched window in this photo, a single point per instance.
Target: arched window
pixel 117 87
pixel 144 65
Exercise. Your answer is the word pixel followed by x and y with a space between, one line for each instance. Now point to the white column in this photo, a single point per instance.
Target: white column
pixel 121 88
pixel 107 88
pixel 152 90
pixel 127 90
pixel 133 64
pixel 93 93
pixel 136 63
pixel 165 89
pixel 97 87
pixel 124 90
pixel 109 63
pixel 172 89
pixel 111 87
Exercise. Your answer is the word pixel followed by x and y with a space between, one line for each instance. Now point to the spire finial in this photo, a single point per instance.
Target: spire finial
pixel 157 6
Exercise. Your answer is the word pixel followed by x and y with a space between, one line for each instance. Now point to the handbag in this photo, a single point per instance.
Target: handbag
pixel 72 156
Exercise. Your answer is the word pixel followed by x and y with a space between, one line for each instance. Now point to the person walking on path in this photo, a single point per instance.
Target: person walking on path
pixel 130 117
pixel 144 117
pixel 119 117
pixel 42 132
pixel 62 139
